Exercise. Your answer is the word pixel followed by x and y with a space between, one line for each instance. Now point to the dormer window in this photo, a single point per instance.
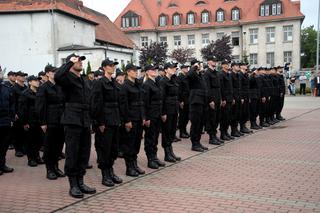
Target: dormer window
pixel 235 14
pixel 271 8
pixel 176 19
pixel 205 17
pixel 130 19
pixel 279 9
pixel 190 18
pixel 200 3
pixel 220 15
pixel 162 20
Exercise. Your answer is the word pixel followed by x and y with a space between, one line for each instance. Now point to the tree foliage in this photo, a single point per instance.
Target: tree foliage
pixel 155 53
pixel 182 55
pixel 220 48
pixel 308 47
pixel 88 70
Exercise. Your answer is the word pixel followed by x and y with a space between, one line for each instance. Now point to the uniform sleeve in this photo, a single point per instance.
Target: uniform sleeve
pixel 223 98
pixel 96 103
pixel 23 109
pixel 124 106
pixel 61 76
pixel 146 100
pixel 41 105
pixel 163 86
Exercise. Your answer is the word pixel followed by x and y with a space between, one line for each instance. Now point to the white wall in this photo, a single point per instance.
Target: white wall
pixel 25 42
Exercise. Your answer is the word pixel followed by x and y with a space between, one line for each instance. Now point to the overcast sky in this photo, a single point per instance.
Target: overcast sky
pixel 112 8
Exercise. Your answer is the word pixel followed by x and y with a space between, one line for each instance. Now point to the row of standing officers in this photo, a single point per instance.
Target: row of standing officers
pixel 67 107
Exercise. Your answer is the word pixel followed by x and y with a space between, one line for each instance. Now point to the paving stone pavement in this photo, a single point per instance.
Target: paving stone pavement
pixel 273 170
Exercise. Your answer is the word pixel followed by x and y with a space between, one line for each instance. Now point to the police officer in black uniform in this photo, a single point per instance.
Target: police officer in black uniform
pixel 170 91
pixel 244 98
pixel 212 79
pixel 76 121
pixel 50 105
pixel 197 102
pixel 184 91
pixel 236 108
pixel 19 138
pixel 6 121
pixel 132 112
pixel 264 95
pixel 270 89
pixel 254 95
pixel 30 121
pixel 153 110
pixel 227 101
pixel 282 91
pixel 276 95
pixel 106 111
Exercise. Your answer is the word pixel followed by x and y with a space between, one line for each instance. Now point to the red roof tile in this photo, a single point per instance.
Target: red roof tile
pixel 150 10
pixel 106 31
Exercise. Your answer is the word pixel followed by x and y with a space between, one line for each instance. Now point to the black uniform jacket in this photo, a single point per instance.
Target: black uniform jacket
pixel 152 99
pixel 77 95
pixel 197 88
pixel 226 87
pixel 170 92
pixel 213 84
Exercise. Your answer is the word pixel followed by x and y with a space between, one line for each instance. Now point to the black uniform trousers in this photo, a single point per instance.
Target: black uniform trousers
pixel 78 147
pixel 34 141
pixel 253 109
pixel 280 105
pixel 4 144
pixel 225 117
pixel 132 141
pixel 151 138
pixel 196 117
pixel 244 112
pixel 169 130
pixel 106 144
pixel 53 145
pixel 183 118
pixel 213 119
pixel 271 106
pixel 235 114
pixel 18 137
pixel 262 110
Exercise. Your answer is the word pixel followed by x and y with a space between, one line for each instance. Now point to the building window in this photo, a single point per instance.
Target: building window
pixel 205 17
pixel 130 19
pixel 205 39
pixel 287 56
pixel 163 40
pixel 262 10
pixel 279 10
pixel 220 15
pixel 144 41
pixel 253 59
pixel 235 14
pixel 253 36
pixel 190 18
pixel 220 35
pixel 177 41
pixel 271 34
pixel 266 10
pixel 235 38
pixel 162 20
pixel 270 59
pixel 274 9
pixel 176 19
pixel 191 40
pixel 287 33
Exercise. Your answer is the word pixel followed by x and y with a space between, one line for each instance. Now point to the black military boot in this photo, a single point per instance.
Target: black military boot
pixel 74 188
pixel 167 155
pixel 114 177
pixel 137 168
pixel 130 171
pixel 174 155
pixel 229 136
pixel 159 162
pixel 184 134
pixel 6 169
pixel 152 164
pixel 58 172
pixel 1 172
pixel 234 132
pixel 213 140
pixel 51 175
pixel 224 137
pixel 254 125
pixel 244 129
pixel 106 178
pixel 84 188
pixel 280 118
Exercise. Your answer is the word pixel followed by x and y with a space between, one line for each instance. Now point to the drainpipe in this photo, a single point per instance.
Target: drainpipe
pixel 53 33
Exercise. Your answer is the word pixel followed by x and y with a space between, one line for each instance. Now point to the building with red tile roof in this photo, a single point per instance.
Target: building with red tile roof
pixel 266 31
pixel 46 31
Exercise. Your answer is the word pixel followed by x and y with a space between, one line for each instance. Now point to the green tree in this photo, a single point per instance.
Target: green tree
pixel 155 53
pixel 220 48
pixel 308 47
pixel 182 55
pixel 88 70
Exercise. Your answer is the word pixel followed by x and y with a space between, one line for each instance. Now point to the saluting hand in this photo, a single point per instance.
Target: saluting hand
pixel 44 128
pixel 74 59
